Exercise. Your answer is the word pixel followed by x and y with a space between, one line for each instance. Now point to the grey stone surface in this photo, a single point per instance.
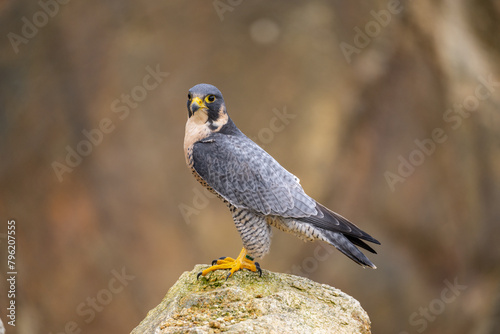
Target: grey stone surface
pixel 247 303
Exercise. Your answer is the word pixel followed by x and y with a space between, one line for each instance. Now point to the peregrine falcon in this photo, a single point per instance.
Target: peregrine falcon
pixel 259 192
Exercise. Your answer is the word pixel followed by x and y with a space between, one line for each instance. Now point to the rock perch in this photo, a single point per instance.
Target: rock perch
pixel 273 303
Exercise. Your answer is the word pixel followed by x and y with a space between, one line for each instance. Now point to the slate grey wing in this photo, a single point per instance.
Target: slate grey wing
pixel 248 177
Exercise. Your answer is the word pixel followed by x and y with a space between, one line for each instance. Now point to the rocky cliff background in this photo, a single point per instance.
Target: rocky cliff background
pixel 388 112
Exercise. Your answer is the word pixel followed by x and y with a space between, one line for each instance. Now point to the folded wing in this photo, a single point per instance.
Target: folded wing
pixel 248 177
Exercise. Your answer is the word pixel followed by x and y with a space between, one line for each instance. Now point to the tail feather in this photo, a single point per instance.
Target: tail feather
pixel 343 244
pixel 343 234
pixel 360 243
pixel 334 222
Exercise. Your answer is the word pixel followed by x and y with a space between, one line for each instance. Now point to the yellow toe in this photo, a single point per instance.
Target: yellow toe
pixel 243 261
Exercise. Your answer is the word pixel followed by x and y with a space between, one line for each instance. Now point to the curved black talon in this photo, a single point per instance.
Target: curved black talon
pixel 228 275
pixel 214 262
pixel 257 265
pixel 198 276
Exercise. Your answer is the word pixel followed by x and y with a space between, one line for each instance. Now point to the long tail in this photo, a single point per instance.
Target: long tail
pixel 343 235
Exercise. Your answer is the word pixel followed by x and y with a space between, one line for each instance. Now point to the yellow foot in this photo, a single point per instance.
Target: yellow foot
pixel 243 261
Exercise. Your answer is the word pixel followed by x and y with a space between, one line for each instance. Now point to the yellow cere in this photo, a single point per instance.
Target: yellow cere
pixel 198 101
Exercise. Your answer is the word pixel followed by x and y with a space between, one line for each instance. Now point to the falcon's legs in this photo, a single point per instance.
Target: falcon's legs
pixel 254 230
pixel 243 261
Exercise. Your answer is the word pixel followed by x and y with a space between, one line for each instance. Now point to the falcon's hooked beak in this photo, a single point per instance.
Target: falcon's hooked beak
pixel 195 105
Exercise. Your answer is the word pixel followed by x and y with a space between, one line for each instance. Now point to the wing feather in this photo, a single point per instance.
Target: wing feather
pixel 248 177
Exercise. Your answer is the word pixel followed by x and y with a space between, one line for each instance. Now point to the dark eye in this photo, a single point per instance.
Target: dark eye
pixel 189 96
pixel 210 98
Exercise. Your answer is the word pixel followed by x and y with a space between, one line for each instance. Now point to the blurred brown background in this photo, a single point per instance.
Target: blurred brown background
pixel 387 111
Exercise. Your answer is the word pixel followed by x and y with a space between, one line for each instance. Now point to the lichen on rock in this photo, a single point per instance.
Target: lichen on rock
pixel 247 303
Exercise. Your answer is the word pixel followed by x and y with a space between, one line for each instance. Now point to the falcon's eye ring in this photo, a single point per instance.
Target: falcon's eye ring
pixel 210 98
pixel 189 96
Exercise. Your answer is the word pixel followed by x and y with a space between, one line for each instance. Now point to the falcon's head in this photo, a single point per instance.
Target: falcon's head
pixel 205 102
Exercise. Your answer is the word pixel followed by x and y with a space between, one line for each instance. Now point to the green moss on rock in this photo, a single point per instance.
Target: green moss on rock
pixel 247 303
